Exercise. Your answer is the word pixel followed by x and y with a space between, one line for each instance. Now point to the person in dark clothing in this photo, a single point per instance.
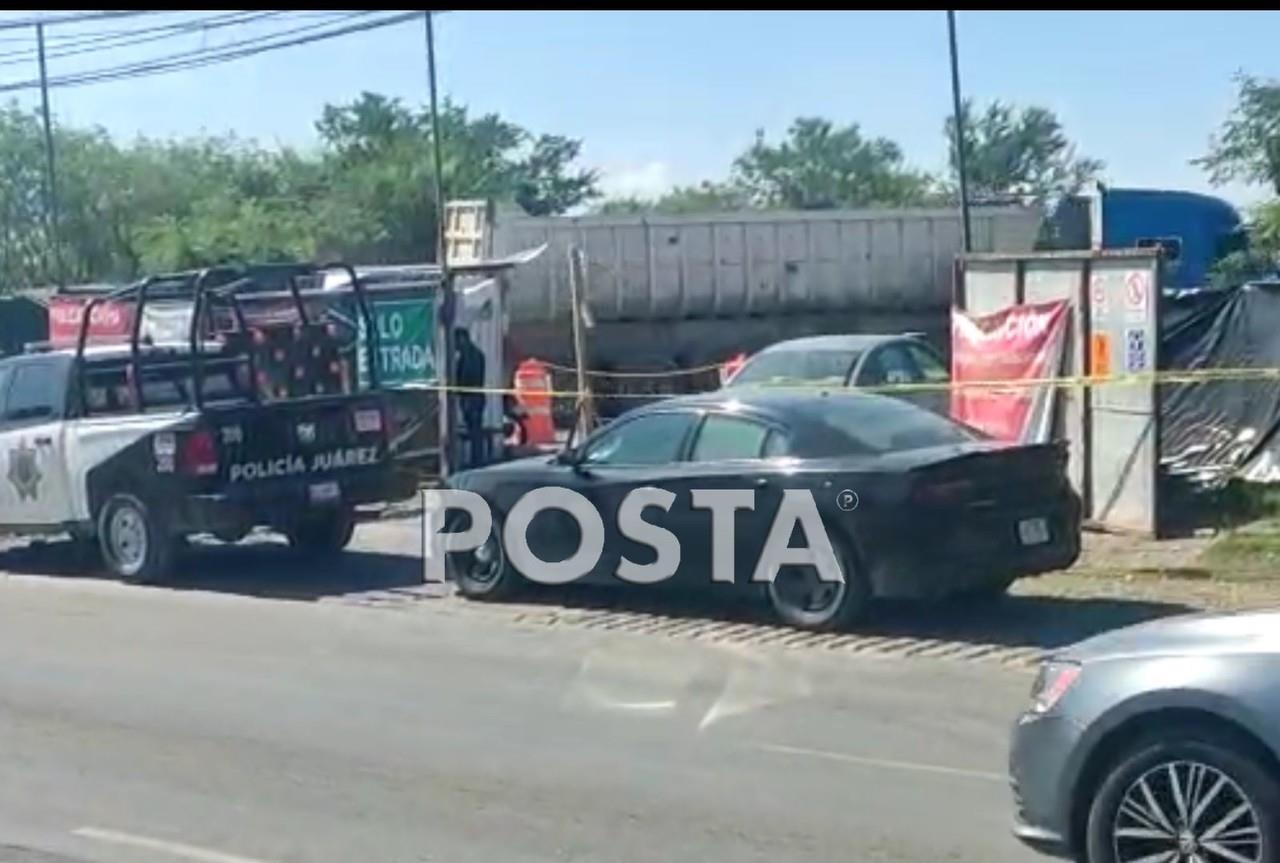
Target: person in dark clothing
pixel 469 373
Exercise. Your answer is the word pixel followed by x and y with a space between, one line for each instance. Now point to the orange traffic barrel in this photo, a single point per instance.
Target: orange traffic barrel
pixel 533 392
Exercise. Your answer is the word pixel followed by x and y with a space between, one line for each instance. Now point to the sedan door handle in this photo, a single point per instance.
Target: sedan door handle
pixel 761 482
pixel 44 441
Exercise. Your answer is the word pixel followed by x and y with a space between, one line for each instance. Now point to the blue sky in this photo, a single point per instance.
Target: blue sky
pixel 671 97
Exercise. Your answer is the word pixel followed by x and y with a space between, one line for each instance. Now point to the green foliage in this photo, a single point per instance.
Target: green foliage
pixel 706 197
pixel 366 193
pixel 1248 146
pixel 819 166
pixel 1247 149
pixel 1018 153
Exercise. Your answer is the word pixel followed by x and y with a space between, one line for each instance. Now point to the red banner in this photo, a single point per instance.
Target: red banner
pixel 1020 343
pixel 110 321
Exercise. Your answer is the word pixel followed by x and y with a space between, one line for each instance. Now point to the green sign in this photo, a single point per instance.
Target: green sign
pixel 406 335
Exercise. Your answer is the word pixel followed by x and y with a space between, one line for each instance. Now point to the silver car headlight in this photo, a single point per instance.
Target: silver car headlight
pixel 1056 677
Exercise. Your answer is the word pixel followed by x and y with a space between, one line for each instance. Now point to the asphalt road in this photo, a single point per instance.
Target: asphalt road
pixel 152 724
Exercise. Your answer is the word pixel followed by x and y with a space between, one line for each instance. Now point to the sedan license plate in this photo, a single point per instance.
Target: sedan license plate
pixel 1033 531
pixel 324 492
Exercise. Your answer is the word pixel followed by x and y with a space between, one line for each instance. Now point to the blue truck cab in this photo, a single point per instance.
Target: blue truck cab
pixel 1192 229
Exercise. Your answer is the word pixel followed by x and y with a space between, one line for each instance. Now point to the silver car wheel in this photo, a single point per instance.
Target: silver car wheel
pixel 1186 812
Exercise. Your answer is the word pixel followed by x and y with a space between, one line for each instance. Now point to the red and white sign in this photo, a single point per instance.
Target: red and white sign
pixel 1020 343
pixel 1135 291
pixel 109 321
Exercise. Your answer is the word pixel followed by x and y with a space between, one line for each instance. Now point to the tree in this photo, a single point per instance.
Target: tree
pixel 1247 149
pixel 1018 153
pixel 705 197
pixel 366 194
pixel 819 166
pixel 381 173
pixel 544 186
pixel 1248 146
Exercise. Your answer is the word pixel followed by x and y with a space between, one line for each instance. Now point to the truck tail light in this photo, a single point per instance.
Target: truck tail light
pixel 199 454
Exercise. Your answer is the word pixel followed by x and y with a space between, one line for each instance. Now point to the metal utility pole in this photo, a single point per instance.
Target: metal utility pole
pixel 50 179
pixel 959 133
pixel 444 335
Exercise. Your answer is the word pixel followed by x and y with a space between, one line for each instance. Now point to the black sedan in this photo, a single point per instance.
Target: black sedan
pixel 913 504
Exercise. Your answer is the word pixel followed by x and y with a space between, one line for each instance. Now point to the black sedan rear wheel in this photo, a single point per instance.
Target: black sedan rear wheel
pixel 801 599
pixel 1189 794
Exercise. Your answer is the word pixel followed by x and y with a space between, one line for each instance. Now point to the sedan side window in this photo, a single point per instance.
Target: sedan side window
pixel 931 368
pixel 889 364
pixel 724 437
pixel 652 439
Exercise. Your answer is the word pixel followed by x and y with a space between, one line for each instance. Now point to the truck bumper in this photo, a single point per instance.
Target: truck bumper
pixel 273 504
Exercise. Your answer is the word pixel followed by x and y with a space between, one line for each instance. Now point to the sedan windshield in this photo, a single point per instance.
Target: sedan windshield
pixel 819 368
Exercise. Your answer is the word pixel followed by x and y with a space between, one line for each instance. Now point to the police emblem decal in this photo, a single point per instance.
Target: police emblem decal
pixel 24 472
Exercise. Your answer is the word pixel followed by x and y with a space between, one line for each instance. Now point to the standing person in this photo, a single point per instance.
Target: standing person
pixel 469 374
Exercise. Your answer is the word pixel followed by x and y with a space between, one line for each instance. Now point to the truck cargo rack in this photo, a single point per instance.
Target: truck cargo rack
pixel 205 288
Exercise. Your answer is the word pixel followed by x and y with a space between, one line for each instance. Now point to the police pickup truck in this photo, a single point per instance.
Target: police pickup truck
pixel 254 420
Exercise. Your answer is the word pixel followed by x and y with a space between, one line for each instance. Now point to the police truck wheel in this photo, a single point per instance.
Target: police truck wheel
pixel 135 544
pixel 324 533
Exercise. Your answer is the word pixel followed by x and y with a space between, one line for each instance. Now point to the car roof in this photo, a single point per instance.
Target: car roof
pixel 777 401
pixel 850 342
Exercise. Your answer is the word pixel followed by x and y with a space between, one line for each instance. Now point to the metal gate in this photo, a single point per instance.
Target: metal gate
pixel 1108 409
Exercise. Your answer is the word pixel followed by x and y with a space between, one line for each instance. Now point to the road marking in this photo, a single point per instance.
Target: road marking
pixel 883 762
pixel 176 849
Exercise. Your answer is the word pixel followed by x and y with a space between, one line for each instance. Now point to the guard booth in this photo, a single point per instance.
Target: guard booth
pixel 404 301
pixel 23 320
pixel 1109 412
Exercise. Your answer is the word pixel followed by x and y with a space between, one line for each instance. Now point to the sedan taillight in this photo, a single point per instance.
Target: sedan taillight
pixel 944 492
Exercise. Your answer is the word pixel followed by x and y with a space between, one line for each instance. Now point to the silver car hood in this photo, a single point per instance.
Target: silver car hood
pixel 1252 631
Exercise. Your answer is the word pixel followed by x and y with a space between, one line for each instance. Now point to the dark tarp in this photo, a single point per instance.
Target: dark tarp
pixel 1214 429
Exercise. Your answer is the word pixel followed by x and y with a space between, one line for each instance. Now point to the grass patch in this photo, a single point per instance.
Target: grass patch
pixel 1250 553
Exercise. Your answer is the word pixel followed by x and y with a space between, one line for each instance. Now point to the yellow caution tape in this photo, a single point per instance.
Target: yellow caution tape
pixel 1193 376
pixel 664 373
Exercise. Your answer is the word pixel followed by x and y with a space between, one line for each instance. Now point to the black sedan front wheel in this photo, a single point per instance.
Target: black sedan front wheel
pixel 484 573
pixel 801 599
pixel 1190 794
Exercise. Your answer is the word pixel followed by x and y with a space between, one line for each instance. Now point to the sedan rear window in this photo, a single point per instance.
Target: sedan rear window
pixel 882 425
pixel 819 368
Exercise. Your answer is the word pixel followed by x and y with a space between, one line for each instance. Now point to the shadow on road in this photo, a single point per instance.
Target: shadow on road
pixel 1042 622
pixel 270 569
pixel 266 569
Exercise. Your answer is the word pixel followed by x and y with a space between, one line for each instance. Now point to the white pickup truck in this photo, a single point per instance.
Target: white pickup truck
pixel 134 446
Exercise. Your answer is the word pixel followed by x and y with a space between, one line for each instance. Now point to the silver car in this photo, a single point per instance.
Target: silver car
pixel 854 361
pixel 1157 743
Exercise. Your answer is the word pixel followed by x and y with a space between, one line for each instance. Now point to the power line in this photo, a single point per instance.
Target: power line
pixel 121 38
pixel 71 19
pixel 206 57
